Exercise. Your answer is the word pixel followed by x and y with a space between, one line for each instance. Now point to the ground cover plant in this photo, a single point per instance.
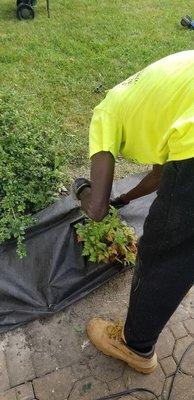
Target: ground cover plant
pixel 53 72
pixel 29 171
pixel 108 241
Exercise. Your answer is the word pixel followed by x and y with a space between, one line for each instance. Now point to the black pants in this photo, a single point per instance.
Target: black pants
pixel 165 264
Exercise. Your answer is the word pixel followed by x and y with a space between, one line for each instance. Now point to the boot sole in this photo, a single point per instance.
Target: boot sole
pixel 142 370
pixel 146 371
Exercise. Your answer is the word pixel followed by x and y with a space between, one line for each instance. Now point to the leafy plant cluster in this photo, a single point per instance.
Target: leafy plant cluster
pixel 109 240
pixel 29 170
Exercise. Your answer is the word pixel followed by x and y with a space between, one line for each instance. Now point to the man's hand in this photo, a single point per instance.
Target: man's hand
pixel 148 184
pixel 118 202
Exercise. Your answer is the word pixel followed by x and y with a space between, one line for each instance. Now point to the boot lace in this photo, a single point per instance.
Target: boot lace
pixel 115 331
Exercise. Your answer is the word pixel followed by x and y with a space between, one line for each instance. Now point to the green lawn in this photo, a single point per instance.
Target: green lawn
pixel 52 66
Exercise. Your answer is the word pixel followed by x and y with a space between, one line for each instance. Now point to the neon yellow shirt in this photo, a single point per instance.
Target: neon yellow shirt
pixel 149 118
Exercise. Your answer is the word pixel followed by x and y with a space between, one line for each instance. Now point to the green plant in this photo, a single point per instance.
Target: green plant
pixel 29 171
pixel 109 240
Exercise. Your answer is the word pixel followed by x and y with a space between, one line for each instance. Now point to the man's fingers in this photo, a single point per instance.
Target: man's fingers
pixel 117 202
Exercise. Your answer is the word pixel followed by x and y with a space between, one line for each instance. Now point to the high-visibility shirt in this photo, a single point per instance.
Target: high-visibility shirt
pixel 149 118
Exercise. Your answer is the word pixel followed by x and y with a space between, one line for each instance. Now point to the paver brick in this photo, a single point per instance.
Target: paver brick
pixel 59 345
pixel 178 330
pixel 80 371
pixel 8 395
pixel 118 385
pixel 23 392
pixel 165 344
pixel 187 364
pixel 188 300
pixel 180 346
pixel 183 388
pixel 181 314
pixel 154 381
pixel 166 388
pixel 43 363
pixel 126 397
pixel 88 351
pixel 54 386
pixel 4 378
pixel 19 363
pixel 88 389
pixel 168 365
pixel 190 326
pixel 43 354
pixel 106 368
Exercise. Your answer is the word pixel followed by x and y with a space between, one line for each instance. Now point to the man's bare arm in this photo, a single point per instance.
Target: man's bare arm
pixel 147 185
pixel 95 201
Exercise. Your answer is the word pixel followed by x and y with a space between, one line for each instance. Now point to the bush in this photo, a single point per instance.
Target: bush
pixel 29 169
pixel 109 240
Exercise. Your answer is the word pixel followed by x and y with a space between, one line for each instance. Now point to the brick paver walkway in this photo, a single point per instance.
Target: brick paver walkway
pixel 53 360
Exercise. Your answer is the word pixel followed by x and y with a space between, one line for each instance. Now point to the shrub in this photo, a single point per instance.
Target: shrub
pixel 109 240
pixel 29 170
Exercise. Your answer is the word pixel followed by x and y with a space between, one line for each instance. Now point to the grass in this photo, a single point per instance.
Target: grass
pixel 54 65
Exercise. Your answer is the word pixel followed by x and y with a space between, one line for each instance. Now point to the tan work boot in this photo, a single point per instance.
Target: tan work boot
pixel 108 338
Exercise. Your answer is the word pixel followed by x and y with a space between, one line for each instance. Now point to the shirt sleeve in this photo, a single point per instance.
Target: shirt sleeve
pixel 105 133
pixel 181 140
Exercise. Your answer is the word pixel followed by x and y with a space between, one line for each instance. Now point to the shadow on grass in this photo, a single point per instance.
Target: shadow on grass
pixel 8 12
